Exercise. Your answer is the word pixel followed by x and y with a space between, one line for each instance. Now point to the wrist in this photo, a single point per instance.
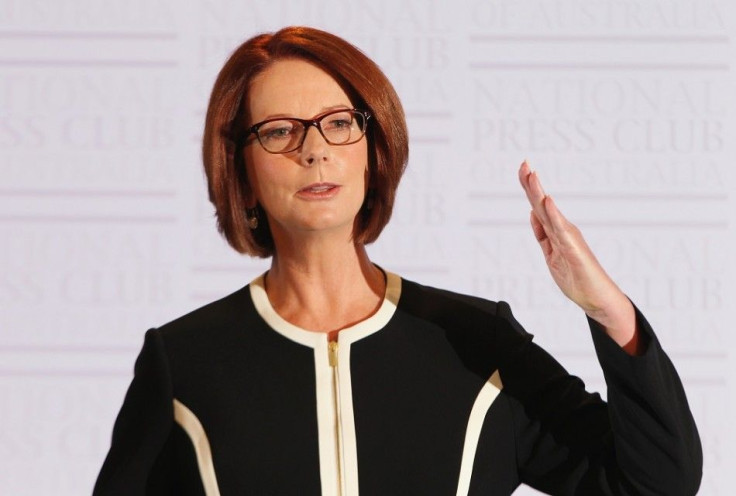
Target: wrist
pixel 618 319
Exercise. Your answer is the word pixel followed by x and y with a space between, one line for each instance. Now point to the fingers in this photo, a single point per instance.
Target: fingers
pixel 541 235
pixel 524 171
pixel 537 227
pixel 562 228
pixel 534 193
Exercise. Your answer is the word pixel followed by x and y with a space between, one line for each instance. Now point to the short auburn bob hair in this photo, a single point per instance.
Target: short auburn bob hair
pixel 228 119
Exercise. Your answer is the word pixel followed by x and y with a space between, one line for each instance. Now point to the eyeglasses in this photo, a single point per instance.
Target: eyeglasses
pixel 337 127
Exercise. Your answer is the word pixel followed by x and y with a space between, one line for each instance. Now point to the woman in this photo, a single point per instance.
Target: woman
pixel 328 375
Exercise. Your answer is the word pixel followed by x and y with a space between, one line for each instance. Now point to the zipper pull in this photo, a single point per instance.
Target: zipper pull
pixel 332 347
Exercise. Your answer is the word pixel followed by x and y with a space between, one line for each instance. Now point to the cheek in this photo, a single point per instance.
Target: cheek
pixel 257 170
pixel 359 158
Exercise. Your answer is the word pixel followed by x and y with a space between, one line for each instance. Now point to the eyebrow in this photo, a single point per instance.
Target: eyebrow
pixel 324 110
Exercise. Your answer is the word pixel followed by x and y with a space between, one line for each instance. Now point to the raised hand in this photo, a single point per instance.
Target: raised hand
pixel 575 268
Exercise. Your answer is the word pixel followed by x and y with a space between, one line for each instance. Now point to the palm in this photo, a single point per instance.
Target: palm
pixel 571 263
pixel 575 269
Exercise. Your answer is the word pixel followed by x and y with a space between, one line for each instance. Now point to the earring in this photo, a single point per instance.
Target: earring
pixel 251 216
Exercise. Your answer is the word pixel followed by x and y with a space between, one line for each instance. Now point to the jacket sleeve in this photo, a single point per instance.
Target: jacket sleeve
pixel 643 442
pixel 142 426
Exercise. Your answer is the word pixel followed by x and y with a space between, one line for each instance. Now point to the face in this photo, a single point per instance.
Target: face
pixel 318 187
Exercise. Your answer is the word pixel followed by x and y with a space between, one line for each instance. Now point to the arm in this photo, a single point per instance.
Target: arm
pixel 653 445
pixel 142 426
pixel 643 442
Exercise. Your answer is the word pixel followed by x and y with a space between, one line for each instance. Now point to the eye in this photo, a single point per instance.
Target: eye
pixel 277 130
pixel 343 120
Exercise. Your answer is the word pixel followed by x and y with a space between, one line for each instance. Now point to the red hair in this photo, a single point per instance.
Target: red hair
pixel 227 119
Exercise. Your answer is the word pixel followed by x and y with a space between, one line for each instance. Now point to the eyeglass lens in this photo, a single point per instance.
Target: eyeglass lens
pixel 338 128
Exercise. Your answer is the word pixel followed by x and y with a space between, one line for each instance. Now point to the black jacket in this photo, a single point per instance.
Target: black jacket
pixel 436 394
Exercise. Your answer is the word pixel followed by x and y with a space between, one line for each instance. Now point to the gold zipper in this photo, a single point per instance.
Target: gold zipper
pixel 332 351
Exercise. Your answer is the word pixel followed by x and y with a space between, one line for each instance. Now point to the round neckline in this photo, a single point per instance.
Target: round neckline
pixel 359 330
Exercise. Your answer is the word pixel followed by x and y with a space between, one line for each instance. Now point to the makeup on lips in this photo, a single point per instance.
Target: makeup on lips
pixel 318 191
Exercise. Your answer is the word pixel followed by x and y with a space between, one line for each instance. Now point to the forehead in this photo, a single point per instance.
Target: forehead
pixel 294 87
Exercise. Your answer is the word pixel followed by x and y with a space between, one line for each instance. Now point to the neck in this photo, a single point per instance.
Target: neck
pixel 323 286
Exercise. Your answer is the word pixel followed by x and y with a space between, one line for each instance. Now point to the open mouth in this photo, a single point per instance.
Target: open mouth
pixel 319 188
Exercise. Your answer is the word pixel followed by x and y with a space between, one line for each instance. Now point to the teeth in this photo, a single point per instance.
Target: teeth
pixel 319 189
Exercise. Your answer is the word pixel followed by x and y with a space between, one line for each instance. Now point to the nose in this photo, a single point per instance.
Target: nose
pixel 315 148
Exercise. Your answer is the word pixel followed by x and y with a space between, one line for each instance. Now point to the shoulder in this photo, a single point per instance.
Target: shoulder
pixel 211 320
pixel 466 317
pixel 442 304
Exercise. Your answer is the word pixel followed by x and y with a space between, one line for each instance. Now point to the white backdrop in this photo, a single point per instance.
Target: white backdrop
pixel 626 109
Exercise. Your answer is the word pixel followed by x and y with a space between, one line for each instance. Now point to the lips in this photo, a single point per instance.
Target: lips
pixel 319 190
